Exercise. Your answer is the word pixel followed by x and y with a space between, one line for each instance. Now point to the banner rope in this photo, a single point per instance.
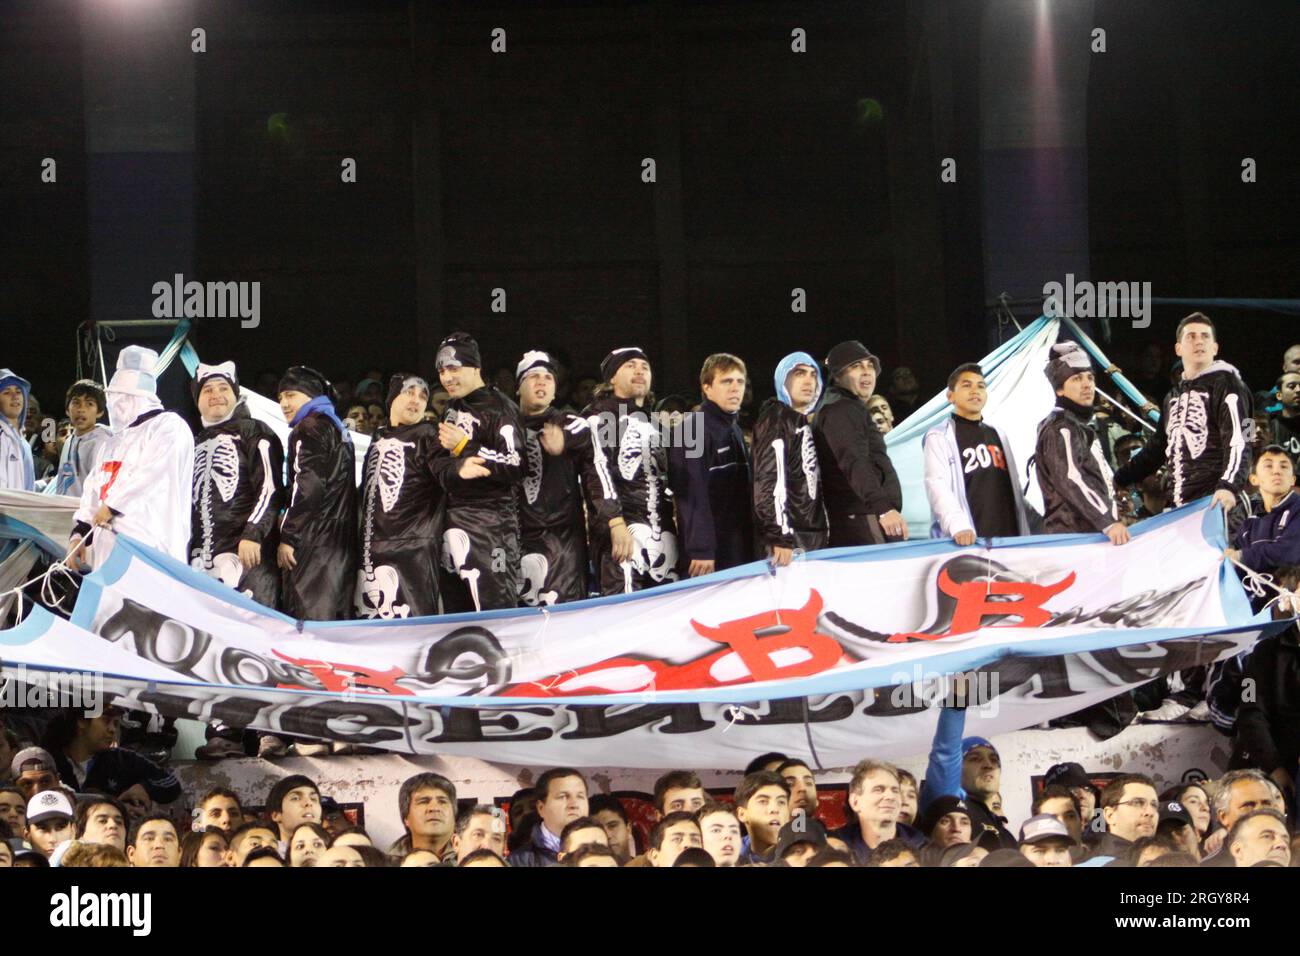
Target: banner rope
pixel 1255 582
pixel 46 578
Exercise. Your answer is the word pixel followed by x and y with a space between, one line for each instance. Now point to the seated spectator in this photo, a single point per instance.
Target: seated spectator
pixel 678 791
pixel 720 832
pixel 1131 809
pixel 308 843
pixel 252 835
pixel 767 761
pixel 34 771
pixel 13 809
pixel 799 841
pixel 425 858
pixel 372 857
pixel 581 832
pixel 479 827
pixel 1072 777
pixel 963 856
pixel 1259 835
pixel 154 842
pixel 81 855
pixel 342 855
pixel 101 819
pixel 1238 793
pixel 427 805
pixel 803 786
pixel 351 836
pixel 560 798
pixel 1267 541
pixel 830 857
pixel 609 811
pixel 670 836
pixel 874 803
pixel 694 856
pixel 1195 801
pixel 1060 803
pixel 87 756
pixel 1177 827
pixel 484 857
pixel 763 806
pixel 50 821
pixel 293 801
pixel 894 853
pixel 1045 841
pixel 205 848
pixel 907 796
pixel 263 856
pixel 946 822
pixel 219 809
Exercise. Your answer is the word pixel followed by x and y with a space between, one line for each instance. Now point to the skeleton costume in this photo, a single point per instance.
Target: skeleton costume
pixel 144 472
pixel 1202 436
pixel 630 459
pixel 238 490
pixel 401 492
pixel 788 504
pixel 1075 478
pixel 553 534
pixel 480 557
pixel 320 518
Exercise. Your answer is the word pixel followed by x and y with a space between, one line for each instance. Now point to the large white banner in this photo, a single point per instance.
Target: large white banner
pixel 842 654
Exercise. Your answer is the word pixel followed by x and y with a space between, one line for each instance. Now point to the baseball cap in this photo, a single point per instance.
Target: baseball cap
pixel 25 851
pixel 1044 826
pixel 49 804
pixel 809 831
pixel 970 743
pixel 1067 775
pixel 32 758
pixel 1174 813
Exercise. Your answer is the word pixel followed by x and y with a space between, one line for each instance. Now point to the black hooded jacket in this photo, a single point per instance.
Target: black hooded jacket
pixel 496 434
pixel 550 495
pixel 1201 435
pixel 1076 480
pixel 857 474
pixel 788 495
pixel 322 506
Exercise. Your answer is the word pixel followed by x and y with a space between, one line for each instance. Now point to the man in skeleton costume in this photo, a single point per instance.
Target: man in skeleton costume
pixel 558 463
pixel 710 476
pixel 1202 430
pixel 140 482
pixel 480 542
pixel 864 499
pixel 788 503
pixel 238 487
pixel 1073 473
pixel 634 546
pixel 402 490
pixel 318 535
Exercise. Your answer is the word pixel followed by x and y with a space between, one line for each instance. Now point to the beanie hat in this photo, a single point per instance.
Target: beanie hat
pixel 612 362
pixel 458 349
pixel 1067 360
pixel 846 353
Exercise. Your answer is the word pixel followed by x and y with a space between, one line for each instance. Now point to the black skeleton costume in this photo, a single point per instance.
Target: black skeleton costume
pixel 480 556
pixel 237 494
pixel 320 518
pixel 1202 435
pixel 552 528
pixel 406 470
pixel 788 504
pixel 630 459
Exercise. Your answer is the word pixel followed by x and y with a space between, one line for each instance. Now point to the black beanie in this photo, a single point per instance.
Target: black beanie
pixel 458 349
pixel 846 353
pixel 401 382
pixel 939 809
pixel 1067 361
pixel 310 382
pixel 612 362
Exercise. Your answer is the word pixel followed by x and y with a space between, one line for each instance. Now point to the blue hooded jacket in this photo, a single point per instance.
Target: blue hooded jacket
pixel 13 446
pixel 786 366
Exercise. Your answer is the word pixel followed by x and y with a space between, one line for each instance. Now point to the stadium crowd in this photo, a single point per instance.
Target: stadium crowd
pixel 482 495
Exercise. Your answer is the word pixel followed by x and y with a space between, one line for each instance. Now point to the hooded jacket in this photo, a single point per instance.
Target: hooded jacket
pixel 496 434
pixel 1201 436
pixel 1075 478
pixel 788 497
pixel 16 466
pixel 857 475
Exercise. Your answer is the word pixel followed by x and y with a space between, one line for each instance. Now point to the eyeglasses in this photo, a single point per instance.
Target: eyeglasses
pixel 1139 804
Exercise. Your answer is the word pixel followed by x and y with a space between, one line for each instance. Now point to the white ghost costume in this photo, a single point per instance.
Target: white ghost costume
pixel 145 470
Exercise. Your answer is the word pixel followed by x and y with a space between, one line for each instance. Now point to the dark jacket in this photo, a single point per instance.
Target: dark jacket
pixel 1268 727
pixel 533 853
pixel 117 769
pixel 1076 480
pixel 851 833
pixel 496 434
pixel 787 476
pixel 857 474
pixel 1271 540
pixel 711 484
pixel 1108 844
pixel 551 493
pixel 322 495
pixel 629 455
pixel 1201 435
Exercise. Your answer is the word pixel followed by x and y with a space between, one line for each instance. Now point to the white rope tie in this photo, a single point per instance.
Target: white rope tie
pixel 1255 582
pixel 46 578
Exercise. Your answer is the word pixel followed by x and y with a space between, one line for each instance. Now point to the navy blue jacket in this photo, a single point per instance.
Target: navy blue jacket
pixel 1269 541
pixel 712 490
